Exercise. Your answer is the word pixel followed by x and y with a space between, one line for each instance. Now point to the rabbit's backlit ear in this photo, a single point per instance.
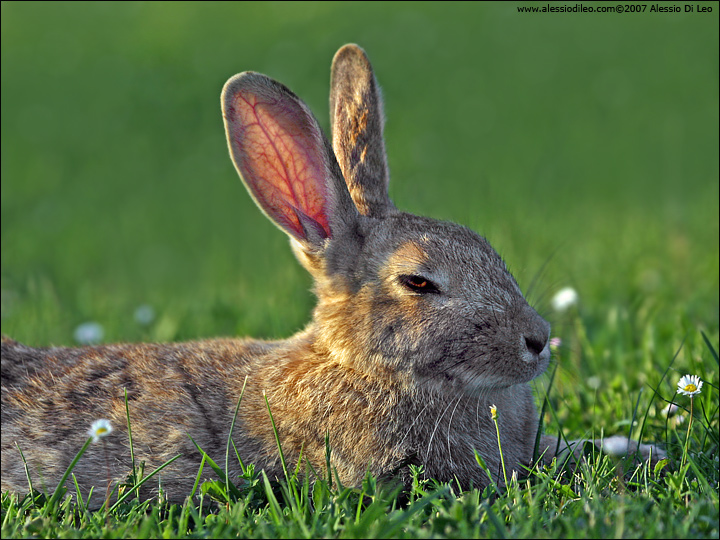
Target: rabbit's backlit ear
pixel 281 155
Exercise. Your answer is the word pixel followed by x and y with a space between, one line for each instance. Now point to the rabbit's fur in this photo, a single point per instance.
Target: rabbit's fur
pixel 418 329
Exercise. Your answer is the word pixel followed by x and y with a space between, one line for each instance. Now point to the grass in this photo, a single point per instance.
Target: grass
pixel 584 146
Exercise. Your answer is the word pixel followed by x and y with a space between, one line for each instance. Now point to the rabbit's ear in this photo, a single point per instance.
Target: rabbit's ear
pixel 284 159
pixel 357 131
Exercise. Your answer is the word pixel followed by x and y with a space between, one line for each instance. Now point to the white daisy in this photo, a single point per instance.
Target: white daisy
pixel 89 333
pixel 689 385
pixel 144 315
pixel 99 429
pixel 564 299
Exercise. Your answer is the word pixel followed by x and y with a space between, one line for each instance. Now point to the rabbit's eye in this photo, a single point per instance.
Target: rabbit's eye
pixel 418 284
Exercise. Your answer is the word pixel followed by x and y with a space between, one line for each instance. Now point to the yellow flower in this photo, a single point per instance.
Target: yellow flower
pixel 689 385
pixel 493 411
pixel 100 429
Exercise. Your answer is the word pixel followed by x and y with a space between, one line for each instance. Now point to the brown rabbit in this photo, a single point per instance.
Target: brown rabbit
pixel 418 329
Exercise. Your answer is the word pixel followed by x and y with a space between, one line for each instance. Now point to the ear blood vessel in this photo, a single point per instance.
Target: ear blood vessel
pixel 418 329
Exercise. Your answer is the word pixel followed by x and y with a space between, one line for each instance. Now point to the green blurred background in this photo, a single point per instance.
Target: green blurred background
pixel 584 146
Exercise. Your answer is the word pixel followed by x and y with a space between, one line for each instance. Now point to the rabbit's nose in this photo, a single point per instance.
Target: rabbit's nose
pixel 536 336
pixel 537 347
pixel 535 344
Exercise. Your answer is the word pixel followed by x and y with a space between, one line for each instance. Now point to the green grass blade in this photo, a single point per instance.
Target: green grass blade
pixel 60 488
pixel 709 346
pixel 221 474
pixel 198 476
pixel 130 439
pixel 229 439
pixel 27 473
pixel 141 482
pixel 277 437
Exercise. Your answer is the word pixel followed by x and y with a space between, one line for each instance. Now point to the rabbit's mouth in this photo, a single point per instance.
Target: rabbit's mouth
pixel 472 373
pixel 530 363
pixel 540 359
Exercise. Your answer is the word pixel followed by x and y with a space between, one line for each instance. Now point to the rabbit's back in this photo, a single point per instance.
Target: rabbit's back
pixel 51 396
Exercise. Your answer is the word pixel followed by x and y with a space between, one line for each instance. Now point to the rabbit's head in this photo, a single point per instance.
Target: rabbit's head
pixel 427 301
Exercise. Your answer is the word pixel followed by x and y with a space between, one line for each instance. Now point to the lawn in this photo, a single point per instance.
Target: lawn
pixel 584 146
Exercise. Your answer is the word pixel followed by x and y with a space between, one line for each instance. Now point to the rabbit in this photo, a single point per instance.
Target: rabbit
pixel 418 329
